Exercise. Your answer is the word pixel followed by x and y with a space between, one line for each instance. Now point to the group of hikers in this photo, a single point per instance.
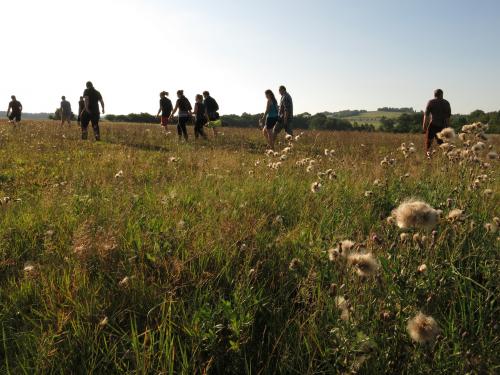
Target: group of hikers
pixel 276 117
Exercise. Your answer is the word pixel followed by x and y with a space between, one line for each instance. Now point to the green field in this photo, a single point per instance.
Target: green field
pixel 372 117
pixel 141 255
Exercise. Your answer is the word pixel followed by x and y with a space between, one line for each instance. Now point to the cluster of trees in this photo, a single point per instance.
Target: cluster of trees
pixel 142 118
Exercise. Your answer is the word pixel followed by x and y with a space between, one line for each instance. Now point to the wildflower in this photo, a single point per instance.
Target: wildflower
pixel 488 192
pixel 5 200
pixel 309 168
pixel 173 159
pixel 29 267
pixel 377 182
pixel 455 215
pixel 422 268
pixel 294 264
pixel 492 155
pixel 368 193
pixel 269 152
pixel 286 150
pixel 104 322
pixel 124 282
pixel 414 213
pixel 366 265
pixel 343 305
pixel 423 328
pixel 289 137
pixel 119 174
pixel 334 254
pixel 315 187
pixel 491 227
pixel 404 237
pixel 446 147
pixel 478 147
pixel 447 134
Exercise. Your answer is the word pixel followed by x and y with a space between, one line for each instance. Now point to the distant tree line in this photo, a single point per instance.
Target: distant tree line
pixel 396 110
pixel 412 122
pixel 408 122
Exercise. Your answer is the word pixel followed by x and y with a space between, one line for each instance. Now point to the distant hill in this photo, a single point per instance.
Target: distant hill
pixel 374 117
pixel 31 116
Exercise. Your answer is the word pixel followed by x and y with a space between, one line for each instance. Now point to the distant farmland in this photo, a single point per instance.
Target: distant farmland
pixel 373 117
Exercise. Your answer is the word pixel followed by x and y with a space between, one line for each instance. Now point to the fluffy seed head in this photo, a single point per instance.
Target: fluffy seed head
pixel 455 215
pixel 366 265
pixel 315 187
pixel 423 328
pixel 415 214
pixel 447 134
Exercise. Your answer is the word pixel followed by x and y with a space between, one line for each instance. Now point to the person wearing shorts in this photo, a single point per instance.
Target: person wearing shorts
pixel 184 107
pixel 65 110
pixel 285 112
pixel 212 111
pixel 436 118
pixel 165 109
pixel 91 113
pixel 14 110
pixel 200 114
pixel 270 118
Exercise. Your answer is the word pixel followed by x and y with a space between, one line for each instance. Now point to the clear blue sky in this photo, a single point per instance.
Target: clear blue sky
pixel 331 54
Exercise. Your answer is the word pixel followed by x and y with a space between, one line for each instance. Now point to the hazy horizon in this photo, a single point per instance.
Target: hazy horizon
pixel 332 55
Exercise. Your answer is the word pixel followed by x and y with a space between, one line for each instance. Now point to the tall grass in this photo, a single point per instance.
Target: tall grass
pixel 182 264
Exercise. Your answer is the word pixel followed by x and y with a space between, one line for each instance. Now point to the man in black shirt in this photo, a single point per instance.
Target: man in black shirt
pixel 212 111
pixel 14 110
pixel 165 109
pixel 436 118
pixel 91 112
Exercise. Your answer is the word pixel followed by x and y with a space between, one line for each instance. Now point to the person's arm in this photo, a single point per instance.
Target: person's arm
pixel 8 110
pixel 268 105
pixel 158 114
pixel 174 110
pixel 447 121
pixel 102 105
pixel 425 124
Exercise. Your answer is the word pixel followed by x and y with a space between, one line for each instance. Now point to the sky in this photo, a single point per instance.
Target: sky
pixel 330 54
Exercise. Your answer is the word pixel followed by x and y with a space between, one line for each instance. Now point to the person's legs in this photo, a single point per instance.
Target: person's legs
pixel 198 129
pixel 95 127
pixel 288 127
pixel 181 128
pixel 85 120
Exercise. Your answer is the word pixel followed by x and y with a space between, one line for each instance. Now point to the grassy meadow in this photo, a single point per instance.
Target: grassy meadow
pixel 141 255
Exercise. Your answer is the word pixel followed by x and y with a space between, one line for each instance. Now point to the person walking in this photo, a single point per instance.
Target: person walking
pixel 200 114
pixel 65 111
pixel 165 109
pixel 14 110
pixel 285 112
pixel 91 112
pixel 184 107
pixel 270 118
pixel 81 107
pixel 436 118
pixel 212 110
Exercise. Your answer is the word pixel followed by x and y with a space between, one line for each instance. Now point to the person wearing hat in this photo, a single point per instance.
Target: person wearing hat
pixel 165 109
